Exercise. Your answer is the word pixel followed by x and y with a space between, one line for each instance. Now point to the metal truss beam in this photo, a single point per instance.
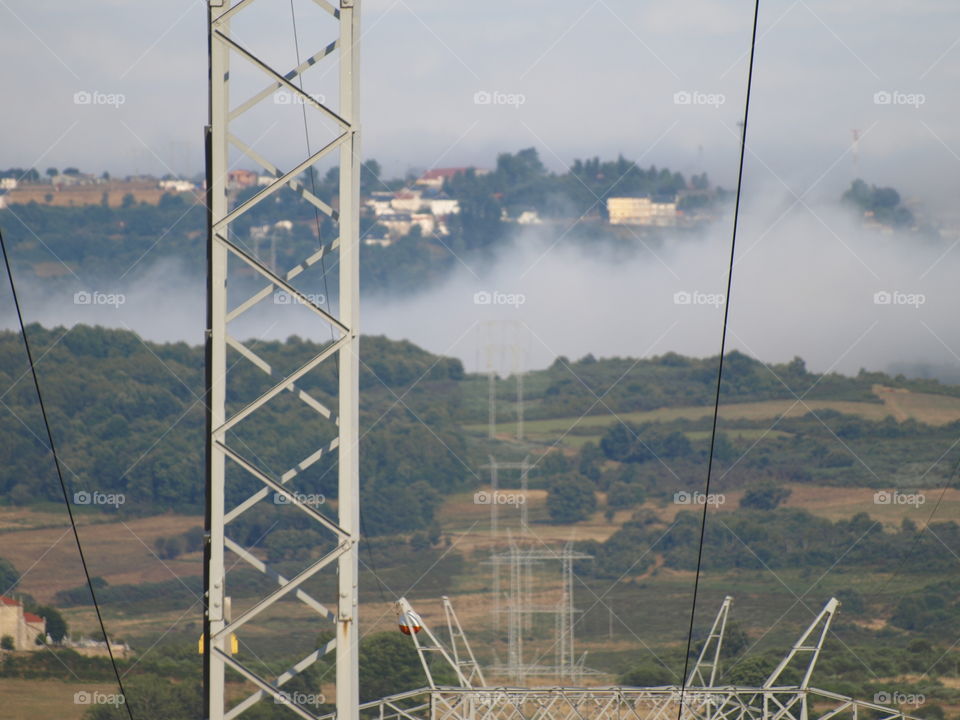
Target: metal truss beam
pixel 690 702
pixel 709 658
pixel 341 416
pixel 804 646
pixel 460 647
pixel 405 610
pixel 624 703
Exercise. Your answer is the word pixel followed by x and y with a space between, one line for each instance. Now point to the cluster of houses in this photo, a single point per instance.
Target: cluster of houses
pixel 423 205
pixel 23 631
pixel 76 189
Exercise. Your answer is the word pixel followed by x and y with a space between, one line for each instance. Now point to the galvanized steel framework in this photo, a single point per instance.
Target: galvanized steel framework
pixel 699 699
pixel 769 702
pixel 219 626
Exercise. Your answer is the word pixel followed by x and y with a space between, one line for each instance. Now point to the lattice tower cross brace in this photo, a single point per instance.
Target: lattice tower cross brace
pixel 218 626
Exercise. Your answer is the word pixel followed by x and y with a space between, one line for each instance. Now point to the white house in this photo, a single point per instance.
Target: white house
pixel 177 186
pixel 407 201
pixel 443 206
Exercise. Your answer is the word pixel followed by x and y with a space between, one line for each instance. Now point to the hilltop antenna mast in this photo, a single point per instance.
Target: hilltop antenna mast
pixel 341 352
pixel 855 151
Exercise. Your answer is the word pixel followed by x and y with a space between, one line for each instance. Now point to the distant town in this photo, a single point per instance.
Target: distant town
pixel 422 202
pixel 469 205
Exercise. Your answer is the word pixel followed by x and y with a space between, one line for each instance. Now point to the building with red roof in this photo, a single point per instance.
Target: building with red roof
pixel 23 628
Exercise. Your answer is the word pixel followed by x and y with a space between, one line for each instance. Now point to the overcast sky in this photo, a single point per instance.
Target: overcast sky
pixel 661 82
pixel 595 78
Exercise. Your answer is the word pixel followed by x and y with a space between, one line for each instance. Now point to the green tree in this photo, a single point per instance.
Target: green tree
pixel 9 577
pixel 590 459
pixel 764 496
pixel 750 671
pixel 388 665
pixel 648 674
pixel 369 176
pixel 56 625
pixel 168 548
pixel 623 495
pixel 571 499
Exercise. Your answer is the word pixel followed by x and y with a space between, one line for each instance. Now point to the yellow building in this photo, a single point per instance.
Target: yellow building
pixel 641 211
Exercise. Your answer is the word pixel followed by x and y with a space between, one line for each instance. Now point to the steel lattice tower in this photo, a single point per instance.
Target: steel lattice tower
pixel 341 350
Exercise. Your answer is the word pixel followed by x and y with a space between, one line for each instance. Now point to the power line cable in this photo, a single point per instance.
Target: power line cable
pixel 63 484
pixel 723 347
pixel 323 270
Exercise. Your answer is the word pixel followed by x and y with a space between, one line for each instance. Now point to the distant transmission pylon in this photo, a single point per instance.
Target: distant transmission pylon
pixel 518 369
pixel 341 352
pixel 855 151
pixel 709 658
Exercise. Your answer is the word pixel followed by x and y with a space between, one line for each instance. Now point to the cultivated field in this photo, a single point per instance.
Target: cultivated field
pixel 900 404
pixel 46 699
pixel 120 552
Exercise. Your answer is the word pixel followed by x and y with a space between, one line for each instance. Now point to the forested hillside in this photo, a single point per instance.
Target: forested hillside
pixel 128 418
